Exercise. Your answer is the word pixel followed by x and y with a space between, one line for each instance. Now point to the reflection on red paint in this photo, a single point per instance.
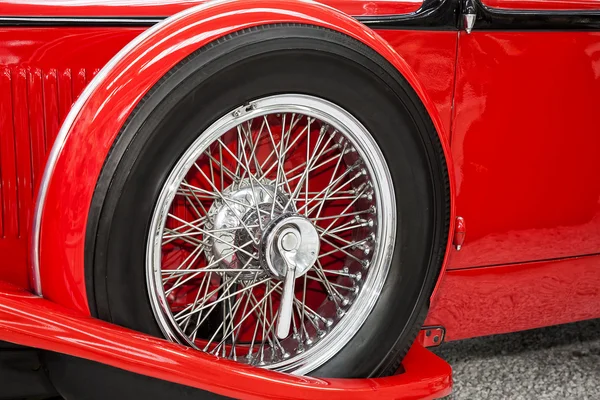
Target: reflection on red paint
pixel 509 298
pixel 40 76
pixel 432 56
pixel 526 144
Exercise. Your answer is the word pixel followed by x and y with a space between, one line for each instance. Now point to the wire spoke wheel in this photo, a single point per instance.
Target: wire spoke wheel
pixel 280 199
pixel 285 178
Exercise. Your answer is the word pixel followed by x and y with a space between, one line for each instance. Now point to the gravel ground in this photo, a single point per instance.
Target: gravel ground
pixel 560 362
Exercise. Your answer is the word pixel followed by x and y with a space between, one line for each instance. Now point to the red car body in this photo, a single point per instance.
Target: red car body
pixel 515 104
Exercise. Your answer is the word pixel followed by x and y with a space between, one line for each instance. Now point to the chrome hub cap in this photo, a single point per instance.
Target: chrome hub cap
pixel 291 236
pixel 235 220
pixel 272 236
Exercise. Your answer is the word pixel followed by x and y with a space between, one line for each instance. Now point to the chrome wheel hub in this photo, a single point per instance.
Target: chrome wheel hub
pixel 272 236
pixel 249 205
pixel 236 219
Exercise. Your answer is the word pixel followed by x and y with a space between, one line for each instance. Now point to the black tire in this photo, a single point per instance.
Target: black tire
pixel 218 78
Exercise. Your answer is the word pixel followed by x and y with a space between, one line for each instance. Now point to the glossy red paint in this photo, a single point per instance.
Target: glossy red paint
pixel 47 49
pixel 10 220
pixel 545 5
pixel 13 245
pixel 509 298
pixel 90 136
pixel 525 146
pixel 432 56
pixel 29 320
pixel 20 89
pixel 161 8
pixel 40 76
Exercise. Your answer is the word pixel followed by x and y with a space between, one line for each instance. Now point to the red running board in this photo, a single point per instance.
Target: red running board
pixel 32 321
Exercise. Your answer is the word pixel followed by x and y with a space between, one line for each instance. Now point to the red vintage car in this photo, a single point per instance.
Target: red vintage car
pixel 274 198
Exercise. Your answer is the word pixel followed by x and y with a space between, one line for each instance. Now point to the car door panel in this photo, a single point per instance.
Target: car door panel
pixel 525 143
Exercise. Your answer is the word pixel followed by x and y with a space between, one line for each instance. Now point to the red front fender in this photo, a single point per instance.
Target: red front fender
pixel 89 130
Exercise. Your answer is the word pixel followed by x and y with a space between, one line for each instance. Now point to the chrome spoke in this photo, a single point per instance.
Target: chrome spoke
pixel 330 184
pixel 310 163
pixel 212 305
pixel 189 260
pixel 224 200
pixel 200 231
pixel 232 201
pixel 348 244
pixel 222 168
pixel 190 271
pixel 316 167
pixel 342 250
pixel 329 284
pixel 207 296
pixel 338 180
pixel 254 148
pixel 352 225
pixel 193 275
pixel 239 163
pixel 196 299
pixel 223 325
pixel 284 149
pixel 198 201
pixel 341 273
pixel 337 216
pixel 215 237
pixel 177 230
pixel 292 144
pixel 277 158
pixel 251 178
pixel 308 311
pixel 333 292
pixel 345 209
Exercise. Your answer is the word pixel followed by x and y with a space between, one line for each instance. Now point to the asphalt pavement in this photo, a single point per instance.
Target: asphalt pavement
pixel 560 362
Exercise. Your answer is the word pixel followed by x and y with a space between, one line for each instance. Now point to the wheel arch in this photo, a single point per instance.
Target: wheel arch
pixel 90 128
